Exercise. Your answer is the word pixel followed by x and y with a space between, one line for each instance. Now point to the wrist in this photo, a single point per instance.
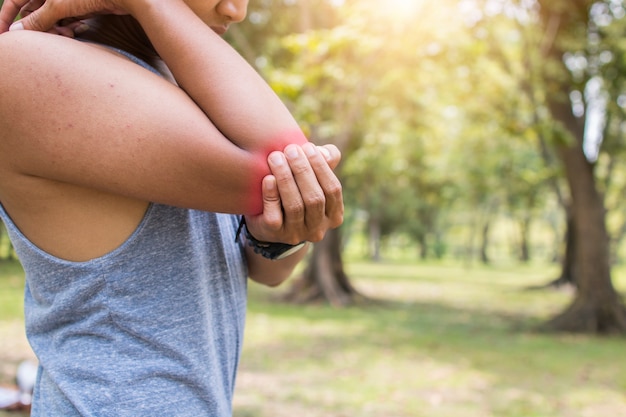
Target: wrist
pixel 270 250
pixel 147 11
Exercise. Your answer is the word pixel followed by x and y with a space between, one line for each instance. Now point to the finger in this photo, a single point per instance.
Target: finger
pixel 311 192
pixel 291 200
pixel 30 7
pixel 328 181
pixel 9 12
pixel 40 20
pixel 331 154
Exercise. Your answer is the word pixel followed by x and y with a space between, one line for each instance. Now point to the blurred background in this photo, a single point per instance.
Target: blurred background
pixel 480 269
pixel 480 131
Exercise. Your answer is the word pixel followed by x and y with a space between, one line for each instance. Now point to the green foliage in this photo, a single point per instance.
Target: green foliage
pixel 432 132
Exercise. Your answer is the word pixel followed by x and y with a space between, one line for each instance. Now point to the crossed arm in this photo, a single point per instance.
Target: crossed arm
pixel 104 124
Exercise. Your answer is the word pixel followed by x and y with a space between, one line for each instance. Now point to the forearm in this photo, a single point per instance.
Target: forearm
pixel 219 80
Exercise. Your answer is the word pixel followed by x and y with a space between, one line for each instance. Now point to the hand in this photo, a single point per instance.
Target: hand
pixel 69 27
pixel 44 15
pixel 302 199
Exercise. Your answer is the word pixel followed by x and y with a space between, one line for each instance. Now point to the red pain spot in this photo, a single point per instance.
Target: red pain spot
pixel 261 168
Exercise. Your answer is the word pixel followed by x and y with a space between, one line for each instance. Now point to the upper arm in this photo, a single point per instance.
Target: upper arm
pixel 72 113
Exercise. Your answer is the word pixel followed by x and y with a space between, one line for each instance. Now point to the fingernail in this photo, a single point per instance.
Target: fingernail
pixel 309 149
pixel 291 151
pixel 17 26
pixel 270 183
pixel 324 152
pixel 276 158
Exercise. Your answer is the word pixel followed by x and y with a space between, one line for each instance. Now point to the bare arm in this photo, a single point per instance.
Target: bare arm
pixel 213 75
pixel 74 114
pixel 123 132
pixel 238 100
pixel 220 82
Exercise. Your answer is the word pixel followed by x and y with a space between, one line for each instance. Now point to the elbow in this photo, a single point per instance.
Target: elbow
pixel 260 167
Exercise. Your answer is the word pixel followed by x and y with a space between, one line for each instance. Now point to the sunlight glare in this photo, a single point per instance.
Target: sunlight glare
pixel 401 9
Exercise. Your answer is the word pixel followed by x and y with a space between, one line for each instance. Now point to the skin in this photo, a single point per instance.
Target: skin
pixel 78 169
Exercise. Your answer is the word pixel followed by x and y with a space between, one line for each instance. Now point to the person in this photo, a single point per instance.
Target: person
pixel 128 149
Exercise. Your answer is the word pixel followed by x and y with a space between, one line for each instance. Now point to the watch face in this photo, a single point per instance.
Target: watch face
pixel 290 251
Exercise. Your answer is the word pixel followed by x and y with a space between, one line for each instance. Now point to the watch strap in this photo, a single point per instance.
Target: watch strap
pixel 269 250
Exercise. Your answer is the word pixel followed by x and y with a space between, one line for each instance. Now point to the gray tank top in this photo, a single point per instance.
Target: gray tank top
pixel 153 328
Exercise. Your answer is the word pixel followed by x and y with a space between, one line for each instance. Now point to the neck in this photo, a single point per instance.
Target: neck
pixel 122 32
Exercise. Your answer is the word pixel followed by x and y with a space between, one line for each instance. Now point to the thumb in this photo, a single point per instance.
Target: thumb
pixel 40 20
pixel 272 207
pixel 271 219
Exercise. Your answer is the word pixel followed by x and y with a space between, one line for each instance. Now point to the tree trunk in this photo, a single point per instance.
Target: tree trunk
pixel 484 243
pixel 374 239
pixel 569 270
pixel 324 278
pixel 597 308
pixel 524 249
pixel 423 246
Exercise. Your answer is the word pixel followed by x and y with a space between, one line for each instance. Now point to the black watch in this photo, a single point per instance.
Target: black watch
pixel 270 250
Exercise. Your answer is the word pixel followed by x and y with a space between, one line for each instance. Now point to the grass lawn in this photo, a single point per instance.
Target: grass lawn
pixel 443 341
pixel 439 340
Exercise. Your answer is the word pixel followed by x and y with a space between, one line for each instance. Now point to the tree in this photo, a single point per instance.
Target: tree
pixel 597 307
pixel 342 81
pixel 563 58
pixel 501 172
pixel 525 66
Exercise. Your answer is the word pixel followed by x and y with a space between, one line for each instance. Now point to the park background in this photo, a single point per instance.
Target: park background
pixel 480 268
